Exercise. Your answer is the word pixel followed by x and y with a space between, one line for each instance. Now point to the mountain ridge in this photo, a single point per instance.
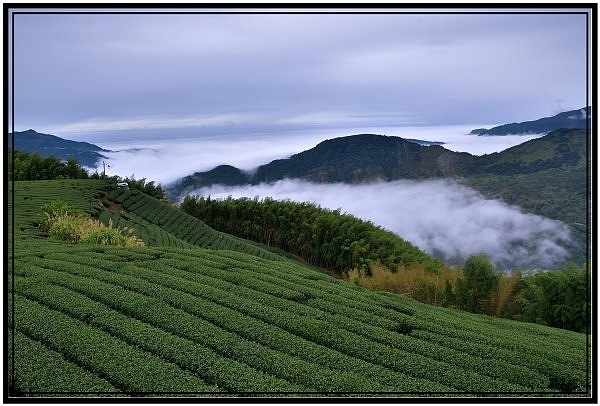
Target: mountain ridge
pixel 46 145
pixel 362 158
pixel 573 119
pixel 356 158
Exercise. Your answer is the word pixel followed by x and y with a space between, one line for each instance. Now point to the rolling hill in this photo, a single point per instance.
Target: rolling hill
pixel 546 176
pixel 197 313
pixel 353 159
pixel 86 154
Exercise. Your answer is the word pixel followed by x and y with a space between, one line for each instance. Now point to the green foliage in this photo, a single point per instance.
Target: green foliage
pixel 43 370
pixel 473 289
pixel 353 159
pixel 65 223
pixel 108 235
pixel 55 210
pixel 226 373
pixel 560 298
pixel 141 320
pixel 149 188
pixel 324 238
pixel 30 196
pixel 32 166
pixel 126 367
pixel 65 228
pixel 162 224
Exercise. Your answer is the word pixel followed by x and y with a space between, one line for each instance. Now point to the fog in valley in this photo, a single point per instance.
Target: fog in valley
pixel 441 217
pixel 444 218
pixel 167 155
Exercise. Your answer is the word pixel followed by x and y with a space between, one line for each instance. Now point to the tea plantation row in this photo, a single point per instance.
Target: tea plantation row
pixel 232 318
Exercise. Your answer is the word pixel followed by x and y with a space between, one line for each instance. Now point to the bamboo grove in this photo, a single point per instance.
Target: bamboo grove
pixel 325 238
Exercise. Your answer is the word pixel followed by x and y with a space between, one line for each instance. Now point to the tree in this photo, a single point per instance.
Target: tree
pixel 474 288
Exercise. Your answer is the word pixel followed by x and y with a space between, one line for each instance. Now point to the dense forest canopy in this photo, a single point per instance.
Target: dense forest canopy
pixel 326 238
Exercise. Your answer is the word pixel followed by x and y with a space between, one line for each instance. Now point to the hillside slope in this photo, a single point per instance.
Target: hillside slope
pixel 574 119
pixel 166 321
pixel 546 176
pixel 46 145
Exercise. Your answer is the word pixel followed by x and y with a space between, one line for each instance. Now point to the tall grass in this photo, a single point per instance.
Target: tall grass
pixel 65 223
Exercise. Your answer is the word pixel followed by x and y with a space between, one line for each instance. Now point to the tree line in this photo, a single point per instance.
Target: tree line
pixel 33 166
pixel 558 298
pixel 322 237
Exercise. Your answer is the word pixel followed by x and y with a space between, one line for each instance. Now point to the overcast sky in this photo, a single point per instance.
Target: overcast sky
pixel 78 73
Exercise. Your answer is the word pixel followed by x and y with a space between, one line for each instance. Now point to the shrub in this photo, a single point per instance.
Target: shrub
pixel 100 234
pixel 65 223
pixel 55 209
pixel 65 227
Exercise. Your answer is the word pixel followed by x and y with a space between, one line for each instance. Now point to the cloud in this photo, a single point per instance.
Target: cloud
pixel 165 155
pixel 441 217
pixel 436 69
pixel 153 122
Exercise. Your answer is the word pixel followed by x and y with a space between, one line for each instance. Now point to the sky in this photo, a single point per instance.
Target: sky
pixel 81 76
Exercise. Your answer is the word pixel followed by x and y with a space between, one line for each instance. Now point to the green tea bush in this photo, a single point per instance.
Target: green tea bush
pixel 40 369
pixel 124 366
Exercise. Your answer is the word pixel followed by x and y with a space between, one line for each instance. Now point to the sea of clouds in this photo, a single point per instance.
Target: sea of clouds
pixel 167 155
pixel 442 217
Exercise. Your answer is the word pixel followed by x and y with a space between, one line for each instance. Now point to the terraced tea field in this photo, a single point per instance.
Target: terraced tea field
pixel 161 224
pixel 176 319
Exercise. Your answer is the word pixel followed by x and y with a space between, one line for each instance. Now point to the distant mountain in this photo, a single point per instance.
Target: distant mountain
pixel 545 176
pixel 569 119
pixel 353 159
pixel 46 145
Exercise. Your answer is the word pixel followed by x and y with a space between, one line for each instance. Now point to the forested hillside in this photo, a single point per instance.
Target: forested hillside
pixel 328 239
pixel 356 250
pixel 353 159
pixel 547 176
